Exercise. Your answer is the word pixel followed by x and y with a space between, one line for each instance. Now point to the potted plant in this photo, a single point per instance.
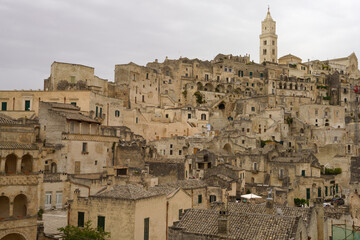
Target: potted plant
pixel 40 214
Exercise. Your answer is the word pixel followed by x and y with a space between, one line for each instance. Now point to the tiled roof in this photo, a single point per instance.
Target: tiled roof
pixel 6 120
pixel 241 225
pixel 128 192
pixel 162 189
pixel 186 184
pixel 15 145
pixel 224 178
pixel 77 116
pixel 64 106
pixel 305 213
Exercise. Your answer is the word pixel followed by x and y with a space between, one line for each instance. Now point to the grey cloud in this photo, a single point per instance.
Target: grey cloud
pixel 104 33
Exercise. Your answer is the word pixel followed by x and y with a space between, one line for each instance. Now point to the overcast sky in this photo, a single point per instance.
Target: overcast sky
pixel 102 33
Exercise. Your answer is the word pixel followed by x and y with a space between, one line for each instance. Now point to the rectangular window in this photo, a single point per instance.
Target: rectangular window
pixel 3 106
pixel 180 152
pixel 273 52
pixel 171 152
pixel 121 172
pixel 265 42
pixel 337 188
pixel 84 147
pixel 77 167
pixel 96 111
pixel 48 200
pixel 251 74
pixel 100 115
pixel 137 120
pixel 101 223
pixel 59 199
pixel 212 198
pixel 319 192
pixel 206 77
pixel 326 190
pixel 73 103
pixel 27 105
pixel 253 109
pixel 303 173
pixel 180 212
pixel 307 193
pixel 146 228
pixel 200 198
pixel 189 116
pixel 81 219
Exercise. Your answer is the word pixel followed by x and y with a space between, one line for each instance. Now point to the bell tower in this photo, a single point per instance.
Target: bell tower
pixel 268 40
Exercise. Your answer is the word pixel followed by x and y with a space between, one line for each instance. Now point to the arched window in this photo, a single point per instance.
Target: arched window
pixel 203 116
pixel 221 106
pixel 4 207
pixel 227 147
pixel 53 168
pixel 117 113
pixel 26 164
pixel 20 206
pixel 10 164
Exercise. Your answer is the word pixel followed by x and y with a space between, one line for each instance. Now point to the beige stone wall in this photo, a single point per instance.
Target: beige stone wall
pixel 119 215
pixel 124 218
pixel 180 200
pixel 318 114
pixel 154 209
pixel 27 228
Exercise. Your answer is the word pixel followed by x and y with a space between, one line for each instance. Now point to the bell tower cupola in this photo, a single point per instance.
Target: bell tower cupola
pixel 268 40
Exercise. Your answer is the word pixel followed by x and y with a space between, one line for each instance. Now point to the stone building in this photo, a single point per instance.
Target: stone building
pixel 124 211
pixel 19 180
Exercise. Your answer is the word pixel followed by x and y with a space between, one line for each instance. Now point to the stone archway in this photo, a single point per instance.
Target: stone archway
pixel 4 207
pixel 10 164
pixel 209 87
pixel 26 163
pixel 227 147
pixel 13 236
pixel 53 168
pixel 20 206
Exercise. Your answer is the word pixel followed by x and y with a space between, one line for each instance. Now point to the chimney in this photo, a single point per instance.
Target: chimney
pixel 269 207
pixel 223 223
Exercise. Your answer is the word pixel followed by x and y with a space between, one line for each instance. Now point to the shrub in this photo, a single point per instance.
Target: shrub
pixel 199 97
pixel 333 171
pixel 298 202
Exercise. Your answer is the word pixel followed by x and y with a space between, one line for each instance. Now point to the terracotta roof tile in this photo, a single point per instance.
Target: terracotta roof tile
pixel 128 192
pixel 6 120
pixel 305 213
pixel 241 225
pixel 186 184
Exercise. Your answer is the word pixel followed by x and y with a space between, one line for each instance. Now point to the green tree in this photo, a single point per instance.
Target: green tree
pixel 85 233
